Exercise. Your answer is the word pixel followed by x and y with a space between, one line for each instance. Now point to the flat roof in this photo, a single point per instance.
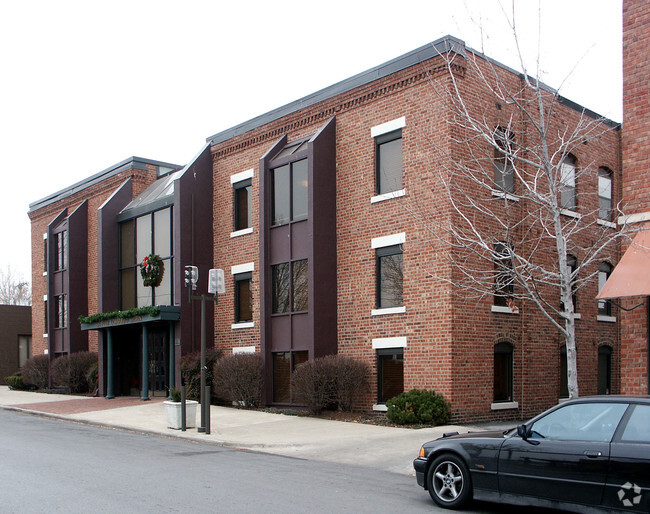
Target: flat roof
pixel 430 50
pixel 132 162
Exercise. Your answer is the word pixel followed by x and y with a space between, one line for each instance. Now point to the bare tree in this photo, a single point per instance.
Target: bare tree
pixel 14 290
pixel 519 229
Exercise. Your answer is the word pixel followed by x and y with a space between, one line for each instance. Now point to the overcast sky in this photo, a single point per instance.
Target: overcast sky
pixel 86 84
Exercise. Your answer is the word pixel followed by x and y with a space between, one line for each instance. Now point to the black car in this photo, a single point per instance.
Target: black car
pixel 587 454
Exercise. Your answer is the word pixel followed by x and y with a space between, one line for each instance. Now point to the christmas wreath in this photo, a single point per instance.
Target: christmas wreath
pixel 152 270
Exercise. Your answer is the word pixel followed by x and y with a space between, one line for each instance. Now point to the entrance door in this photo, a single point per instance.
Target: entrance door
pixel 158 361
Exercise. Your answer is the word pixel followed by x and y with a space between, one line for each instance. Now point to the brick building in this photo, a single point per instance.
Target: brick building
pixel 630 280
pixel 15 338
pixel 315 214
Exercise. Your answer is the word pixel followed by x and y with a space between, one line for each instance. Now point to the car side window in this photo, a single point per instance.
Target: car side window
pixel 638 426
pixel 580 422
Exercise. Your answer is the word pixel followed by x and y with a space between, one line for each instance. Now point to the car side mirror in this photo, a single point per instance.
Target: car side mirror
pixel 522 432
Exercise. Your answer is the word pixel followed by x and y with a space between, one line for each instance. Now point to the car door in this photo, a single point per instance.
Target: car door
pixel 565 455
pixel 628 481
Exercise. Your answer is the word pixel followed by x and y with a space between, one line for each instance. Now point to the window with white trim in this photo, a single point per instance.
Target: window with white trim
pixel 604 194
pixel 568 197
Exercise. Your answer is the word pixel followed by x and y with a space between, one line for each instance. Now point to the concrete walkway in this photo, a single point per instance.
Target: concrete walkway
pixel 387 448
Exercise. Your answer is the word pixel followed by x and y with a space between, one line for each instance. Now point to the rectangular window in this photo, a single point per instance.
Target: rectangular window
pixel 242 210
pixel 290 185
pixel 290 287
pixel 388 162
pixel 604 306
pixel 390 277
pixel 45 254
pixel 503 165
pixel 243 297
pixel 390 373
pixel 564 382
pixel 45 322
pixel 568 184
pixel 504 283
pixel 503 372
pixel 284 363
pixel 605 370
pixel 60 311
pixel 24 349
pixel 60 250
pixel 604 194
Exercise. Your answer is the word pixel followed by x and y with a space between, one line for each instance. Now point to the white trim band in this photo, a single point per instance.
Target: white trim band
pixel 504 405
pixel 388 196
pixel 240 177
pixel 242 232
pixel 639 217
pixel 382 242
pixel 387 127
pixel 388 310
pixel 245 324
pixel 606 319
pixel 243 349
pixel 382 343
pixel 242 268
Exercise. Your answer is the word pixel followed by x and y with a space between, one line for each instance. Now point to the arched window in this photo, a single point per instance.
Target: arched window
pixel 503 372
pixel 605 370
pixel 568 197
pixel 604 271
pixel 605 194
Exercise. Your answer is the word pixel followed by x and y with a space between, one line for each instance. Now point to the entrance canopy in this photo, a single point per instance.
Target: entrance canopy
pixel 631 276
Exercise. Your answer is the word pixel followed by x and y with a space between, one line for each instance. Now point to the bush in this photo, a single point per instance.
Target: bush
pixel 238 378
pixel 418 406
pixel 36 371
pixel 328 381
pixel 314 384
pixel 16 383
pixel 191 372
pixel 72 370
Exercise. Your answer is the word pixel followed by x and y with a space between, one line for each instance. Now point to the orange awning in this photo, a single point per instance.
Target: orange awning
pixel 631 276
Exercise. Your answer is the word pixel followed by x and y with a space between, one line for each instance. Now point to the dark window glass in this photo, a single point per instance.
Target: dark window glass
pixel 24 349
pixel 390 373
pixel 503 372
pixel 243 298
pixel 300 285
pixel 572 263
pixel 503 164
pixel 581 422
pixel 281 284
pixel 604 306
pixel 504 281
pixel 162 233
pixel 605 194
pixel 299 175
pixel 46 323
pixel 281 194
pixel 127 282
pixel 60 250
pixel 60 311
pixel 243 205
pixel 127 243
pixel 605 370
pixel 45 254
pixel 568 184
pixel 636 429
pixel 564 382
pixel 389 162
pixel 282 377
pixel 390 277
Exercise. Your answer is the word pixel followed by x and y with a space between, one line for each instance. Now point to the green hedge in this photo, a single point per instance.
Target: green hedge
pixel 418 407
pixel 131 313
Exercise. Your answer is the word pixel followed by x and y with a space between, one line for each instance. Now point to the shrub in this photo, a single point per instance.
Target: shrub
pixel 418 406
pixel 16 383
pixel 191 372
pixel 36 371
pixel 71 371
pixel 351 380
pixel 176 395
pixel 314 384
pixel 238 378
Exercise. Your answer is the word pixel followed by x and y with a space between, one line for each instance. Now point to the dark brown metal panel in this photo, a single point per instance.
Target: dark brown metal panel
pixel 322 212
pixel 301 240
pixel 265 268
pixel 108 260
pixel 77 277
pixel 279 250
pixel 302 332
pixel 281 333
pixel 193 246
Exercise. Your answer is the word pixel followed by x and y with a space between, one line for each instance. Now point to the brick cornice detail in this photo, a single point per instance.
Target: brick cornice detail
pixel 332 110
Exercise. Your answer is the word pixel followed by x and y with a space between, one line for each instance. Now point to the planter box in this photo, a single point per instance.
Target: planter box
pixel 173 410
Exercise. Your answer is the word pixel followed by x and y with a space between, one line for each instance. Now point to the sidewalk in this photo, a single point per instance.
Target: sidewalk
pixel 387 448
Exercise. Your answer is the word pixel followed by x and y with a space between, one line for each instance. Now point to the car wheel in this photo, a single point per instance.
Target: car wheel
pixel 448 481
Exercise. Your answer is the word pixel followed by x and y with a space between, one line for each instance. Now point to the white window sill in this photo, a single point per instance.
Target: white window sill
pixel 504 405
pixel 45 273
pixel 388 310
pixel 380 407
pixel 503 194
pixel 45 336
pixel 606 223
pixel 571 214
pixel 388 196
pixel 504 309
pixel 607 319
pixel 242 232
pixel 247 324
pixel 243 349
